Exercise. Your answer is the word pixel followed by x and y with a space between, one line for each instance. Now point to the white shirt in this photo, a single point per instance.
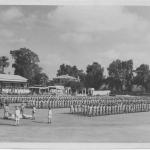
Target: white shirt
pixel 34 109
pixel 50 113
pixel 17 112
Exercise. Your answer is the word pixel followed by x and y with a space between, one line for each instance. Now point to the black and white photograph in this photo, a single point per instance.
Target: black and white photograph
pixel 74 73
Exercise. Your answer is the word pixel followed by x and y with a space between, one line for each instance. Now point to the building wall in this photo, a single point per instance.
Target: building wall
pixel 12 87
pixel 136 88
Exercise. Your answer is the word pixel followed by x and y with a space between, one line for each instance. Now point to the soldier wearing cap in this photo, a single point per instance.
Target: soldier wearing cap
pixel 17 116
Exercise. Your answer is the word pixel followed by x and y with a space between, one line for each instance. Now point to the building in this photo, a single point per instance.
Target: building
pixel 54 90
pixel 64 79
pixel 13 84
pixel 38 90
pixel 58 90
pixel 93 92
pixel 138 88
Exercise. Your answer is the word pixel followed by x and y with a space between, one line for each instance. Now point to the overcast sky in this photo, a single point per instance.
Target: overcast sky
pixel 77 35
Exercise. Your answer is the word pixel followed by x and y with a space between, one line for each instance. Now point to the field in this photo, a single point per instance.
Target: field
pixel 66 127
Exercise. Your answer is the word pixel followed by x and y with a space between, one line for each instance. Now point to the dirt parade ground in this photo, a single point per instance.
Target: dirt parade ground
pixel 66 127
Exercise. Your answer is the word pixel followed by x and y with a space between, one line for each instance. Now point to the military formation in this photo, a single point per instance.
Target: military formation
pixel 84 105
pixel 113 105
pixel 109 109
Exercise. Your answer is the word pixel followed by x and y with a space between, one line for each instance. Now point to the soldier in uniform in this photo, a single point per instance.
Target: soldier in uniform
pixel 22 109
pixel 6 111
pixel 71 109
pixel 17 116
pixel 90 110
pixel 33 112
pixel 49 116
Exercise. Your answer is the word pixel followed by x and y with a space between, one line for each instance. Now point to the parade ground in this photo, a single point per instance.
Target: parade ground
pixel 66 127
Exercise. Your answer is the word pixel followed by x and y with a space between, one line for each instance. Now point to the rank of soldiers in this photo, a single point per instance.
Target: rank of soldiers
pixel 85 105
pixel 109 109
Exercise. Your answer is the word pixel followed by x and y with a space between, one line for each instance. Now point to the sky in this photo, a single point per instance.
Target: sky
pixel 77 35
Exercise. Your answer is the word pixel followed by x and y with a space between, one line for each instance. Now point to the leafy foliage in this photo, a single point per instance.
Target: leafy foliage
pixel 143 76
pixel 41 79
pixel 72 71
pixel 120 75
pixel 94 75
pixel 3 63
pixel 26 65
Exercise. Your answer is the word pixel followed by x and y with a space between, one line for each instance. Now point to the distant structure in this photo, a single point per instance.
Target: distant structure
pixel 13 84
pixel 58 86
pixel 93 92
pixel 54 90
pixel 63 79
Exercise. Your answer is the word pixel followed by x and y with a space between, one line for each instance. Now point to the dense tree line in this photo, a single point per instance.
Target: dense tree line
pixel 121 76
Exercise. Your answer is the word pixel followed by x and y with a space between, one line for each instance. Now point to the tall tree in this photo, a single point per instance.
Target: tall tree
pixel 94 75
pixel 72 71
pixel 142 76
pixel 120 75
pixel 26 63
pixel 63 70
pixel 41 79
pixel 3 63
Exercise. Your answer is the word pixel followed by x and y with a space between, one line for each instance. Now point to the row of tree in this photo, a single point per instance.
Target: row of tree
pixel 121 76
pixel 120 73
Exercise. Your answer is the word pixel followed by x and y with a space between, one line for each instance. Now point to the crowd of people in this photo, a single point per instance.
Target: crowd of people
pixel 109 109
pixel 85 105
pixel 20 113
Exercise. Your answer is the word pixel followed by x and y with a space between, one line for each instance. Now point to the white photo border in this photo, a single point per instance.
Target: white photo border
pixel 75 146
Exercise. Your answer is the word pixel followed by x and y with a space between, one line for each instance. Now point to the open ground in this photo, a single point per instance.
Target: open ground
pixel 66 127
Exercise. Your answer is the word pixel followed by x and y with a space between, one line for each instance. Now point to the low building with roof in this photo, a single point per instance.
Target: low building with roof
pixel 13 84
pixel 56 90
pixel 64 79
pixel 38 89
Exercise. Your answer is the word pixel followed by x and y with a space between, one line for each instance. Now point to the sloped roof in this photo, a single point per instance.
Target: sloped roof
pixel 37 87
pixel 57 87
pixel 12 78
pixel 65 77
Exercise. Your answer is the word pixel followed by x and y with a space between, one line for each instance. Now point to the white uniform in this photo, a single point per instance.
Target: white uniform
pixel 49 116
pixel 33 113
pixel 17 114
